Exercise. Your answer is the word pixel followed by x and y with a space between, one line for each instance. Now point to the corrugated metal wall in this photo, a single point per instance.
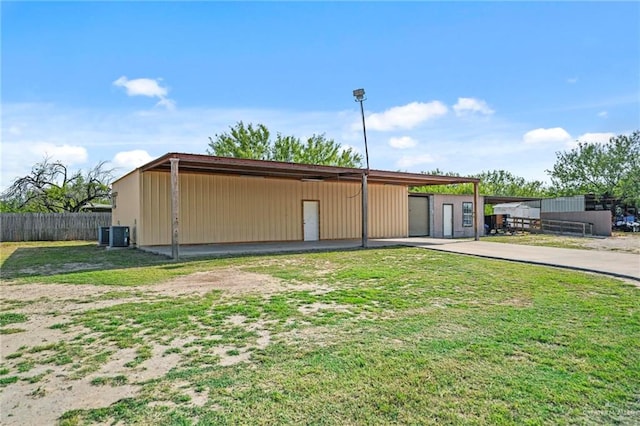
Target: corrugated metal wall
pixel 388 211
pixel 218 209
pixel 563 204
pixel 127 203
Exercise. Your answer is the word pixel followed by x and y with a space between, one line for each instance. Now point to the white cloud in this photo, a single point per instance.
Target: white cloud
pixel 410 161
pixel 142 87
pixel 603 114
pixel 405 117
pixel 403 142
pixel 129 160
pixel 67 154
pixel 551 135
pixel 471 105
pixel 572 80
pixel 169 104
pixel 600 138
pixel 15 130
pixel 463 146
pixel 146 87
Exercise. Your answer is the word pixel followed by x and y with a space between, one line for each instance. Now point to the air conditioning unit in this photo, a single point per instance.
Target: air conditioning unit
pixel 119 236
pixel 103 235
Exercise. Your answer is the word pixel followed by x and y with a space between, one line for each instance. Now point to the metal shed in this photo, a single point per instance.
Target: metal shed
pixel 202 199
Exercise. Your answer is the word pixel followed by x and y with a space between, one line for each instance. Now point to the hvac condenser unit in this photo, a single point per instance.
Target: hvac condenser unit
pixel 103 235
pixel 119 236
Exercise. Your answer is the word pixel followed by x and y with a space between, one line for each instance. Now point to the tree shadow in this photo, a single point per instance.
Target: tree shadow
pixel 45 260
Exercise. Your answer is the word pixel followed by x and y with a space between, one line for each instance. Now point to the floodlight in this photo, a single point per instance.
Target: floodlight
pixel 359 95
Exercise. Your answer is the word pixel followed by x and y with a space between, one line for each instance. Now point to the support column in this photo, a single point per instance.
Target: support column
pixel 365 212
pixel 477 214
pixel 175 209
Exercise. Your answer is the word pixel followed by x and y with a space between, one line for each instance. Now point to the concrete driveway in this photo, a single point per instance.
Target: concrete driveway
pixel 624 265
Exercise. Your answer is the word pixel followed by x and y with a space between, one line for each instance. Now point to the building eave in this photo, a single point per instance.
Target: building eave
pixel 209 164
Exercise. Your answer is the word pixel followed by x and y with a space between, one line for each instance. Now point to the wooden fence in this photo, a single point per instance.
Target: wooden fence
pixel 52 226
pixel 548 226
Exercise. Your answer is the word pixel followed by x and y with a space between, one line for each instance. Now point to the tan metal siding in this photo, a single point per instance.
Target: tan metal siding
pixel 156 208
pixel 127 210
pixel 220 208
pixel 388 211
pixel 340 209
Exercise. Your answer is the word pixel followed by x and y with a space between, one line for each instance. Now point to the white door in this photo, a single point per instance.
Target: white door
pixel 310 220
pixel 447 220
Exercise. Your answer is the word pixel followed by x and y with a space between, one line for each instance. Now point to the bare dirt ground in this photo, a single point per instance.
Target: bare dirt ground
pixel 32 401
pixel 623 242
pixel 619 242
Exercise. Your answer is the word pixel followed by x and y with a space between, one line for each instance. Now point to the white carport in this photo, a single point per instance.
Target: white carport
pixel 517 210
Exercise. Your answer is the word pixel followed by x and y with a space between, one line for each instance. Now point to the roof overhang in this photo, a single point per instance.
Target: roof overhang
pixel 209 164
pixel 499 199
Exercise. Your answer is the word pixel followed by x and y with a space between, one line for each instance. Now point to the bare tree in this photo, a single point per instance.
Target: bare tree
pixel 52 187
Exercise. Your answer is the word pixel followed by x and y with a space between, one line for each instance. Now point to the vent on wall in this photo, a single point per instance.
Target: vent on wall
pixel 119 236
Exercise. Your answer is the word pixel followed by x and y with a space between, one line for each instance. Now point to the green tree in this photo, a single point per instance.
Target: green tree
pixel 611 169
pixel 494 182
pixel 256 143
pixel 51 187
pixel 243 142
pixel 505 183
pixel 455 189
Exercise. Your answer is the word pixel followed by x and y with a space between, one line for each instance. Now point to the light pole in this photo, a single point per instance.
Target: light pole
pixel 359 95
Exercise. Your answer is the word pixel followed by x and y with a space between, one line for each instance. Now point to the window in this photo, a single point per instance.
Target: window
pixel 114 196
pixel 467 214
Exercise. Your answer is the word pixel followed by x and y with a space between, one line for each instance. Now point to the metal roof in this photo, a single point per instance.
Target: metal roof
pixel 500 199
pixel 209 164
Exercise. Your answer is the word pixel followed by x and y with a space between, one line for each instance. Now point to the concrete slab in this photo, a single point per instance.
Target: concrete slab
pixel 220 250
pixel 624 265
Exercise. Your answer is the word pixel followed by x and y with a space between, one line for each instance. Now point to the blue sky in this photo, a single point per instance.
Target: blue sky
pixel 462 87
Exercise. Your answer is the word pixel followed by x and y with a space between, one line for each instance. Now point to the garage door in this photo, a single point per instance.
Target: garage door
pixel 418 216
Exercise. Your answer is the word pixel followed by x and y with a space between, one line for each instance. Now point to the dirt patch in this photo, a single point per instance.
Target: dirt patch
pixel 306 335
pixel 33 400
pixel 157 366
pixel 24 403
pixel 517 302
pixel 315 307
pixel 625 243
pixel 230 281
pixel 51 292
pixel 37 332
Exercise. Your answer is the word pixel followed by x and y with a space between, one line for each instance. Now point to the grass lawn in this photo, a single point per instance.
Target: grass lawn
pixel 396 335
